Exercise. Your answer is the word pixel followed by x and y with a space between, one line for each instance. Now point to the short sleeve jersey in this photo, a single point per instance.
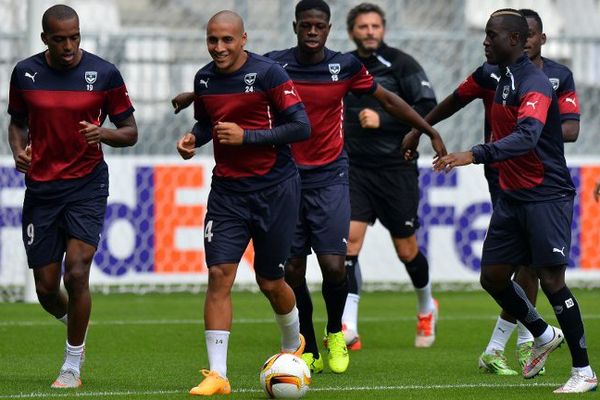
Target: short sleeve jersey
pixel 256 97
pixel 323 87
pixel 53 102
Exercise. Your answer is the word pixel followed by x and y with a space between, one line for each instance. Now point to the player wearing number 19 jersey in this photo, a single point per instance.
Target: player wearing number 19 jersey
pixel 58 101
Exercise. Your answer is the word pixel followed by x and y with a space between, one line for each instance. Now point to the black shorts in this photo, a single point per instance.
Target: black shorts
pixel 536 234
pixel 268 217
pixel 390 195
pixel 79 214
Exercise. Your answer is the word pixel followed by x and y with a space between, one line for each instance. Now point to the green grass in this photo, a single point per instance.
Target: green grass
pixel 152 346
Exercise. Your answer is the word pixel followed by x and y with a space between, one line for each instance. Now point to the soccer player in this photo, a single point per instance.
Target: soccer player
pixel 323 78
pixel 58 101
pixel 531 221
pixel 383 185
pixel 482 84
pixel 248 106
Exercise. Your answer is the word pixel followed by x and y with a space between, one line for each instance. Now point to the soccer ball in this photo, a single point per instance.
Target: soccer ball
pixel 285 376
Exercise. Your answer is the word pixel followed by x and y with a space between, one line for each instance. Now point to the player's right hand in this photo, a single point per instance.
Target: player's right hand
pixel 182 101
pixel 369 119
pixel 186 146
pixel 23 160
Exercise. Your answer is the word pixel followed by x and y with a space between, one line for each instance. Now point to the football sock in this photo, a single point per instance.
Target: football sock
pixel 335 294
pixel 73 357
pixel 524 335
pixel 350 316
pixel 305 311
pixel 585 371
pixel 568 315
pixel 424 299
pixel 216 346
pixel 63 319
pixel 514 301
pixel 500 335
pixel 289 324
pixel 354 274
pixel 418 270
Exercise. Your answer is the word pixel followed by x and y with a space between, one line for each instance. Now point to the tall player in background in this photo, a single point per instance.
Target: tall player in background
pixel 383 185
pixel 531 220
pixel 482 84
pixel 248 106
pixel 323 78
pixel 58 102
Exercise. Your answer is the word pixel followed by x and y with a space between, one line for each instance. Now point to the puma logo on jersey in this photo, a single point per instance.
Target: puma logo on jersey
pixel 204 82
pixel 571 100
pixel 532 104
pixel 561 251
pixel 28 75
pixel 284 65
pixel 496 77
pixel 426 84
pixel 286 92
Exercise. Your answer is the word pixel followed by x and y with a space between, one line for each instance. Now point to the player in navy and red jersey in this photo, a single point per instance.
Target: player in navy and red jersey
pixel 531 221
pixel 323 78
pixel 248 106
pixel 481 84
pixel 58 102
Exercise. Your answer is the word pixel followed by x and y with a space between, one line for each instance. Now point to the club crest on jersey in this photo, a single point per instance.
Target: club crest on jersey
pixel 91 76
pixel 505 92
pixel 250 78
pixel 555 82
pixel 334 70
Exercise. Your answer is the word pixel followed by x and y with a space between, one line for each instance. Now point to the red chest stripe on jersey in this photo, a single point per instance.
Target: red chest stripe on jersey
pixel 522 172
pixel 504 120
pixel 568 103
pixel 325 108
pixel 534 105
pixel 235 108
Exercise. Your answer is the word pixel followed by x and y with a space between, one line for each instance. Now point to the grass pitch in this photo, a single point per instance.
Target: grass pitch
pixel 152 346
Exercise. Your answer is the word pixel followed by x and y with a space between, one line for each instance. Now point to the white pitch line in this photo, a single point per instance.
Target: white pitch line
pixel 324 389
pixel 255 320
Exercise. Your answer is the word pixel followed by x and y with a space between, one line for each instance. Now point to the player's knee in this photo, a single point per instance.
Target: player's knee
pixel 334 272
pixel 76 280
pixel 269 287
pixel 294 273
pixel 407 253
pixel 47 290
pixel 551 282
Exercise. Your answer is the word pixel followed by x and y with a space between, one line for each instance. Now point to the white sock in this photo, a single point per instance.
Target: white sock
pixel 585 371
pixel 63 319
pixel 350 316
pixel 524 335
pixel 289 325
pixel 73 357
pixel 425 300
pixel 545 337
pixel 500 335
pixel 216 346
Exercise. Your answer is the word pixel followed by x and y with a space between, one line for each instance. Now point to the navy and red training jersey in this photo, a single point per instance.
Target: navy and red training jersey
pixel 323 87
pixel 526 136
pixel 482 83
pixel 53 102
pixel 256 97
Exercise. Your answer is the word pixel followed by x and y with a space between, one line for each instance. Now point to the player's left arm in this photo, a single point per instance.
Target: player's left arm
pixel 568 105
pixel 125 134
pixel 400 109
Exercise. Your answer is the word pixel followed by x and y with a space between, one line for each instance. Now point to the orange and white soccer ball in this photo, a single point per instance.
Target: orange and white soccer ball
pixel 285 376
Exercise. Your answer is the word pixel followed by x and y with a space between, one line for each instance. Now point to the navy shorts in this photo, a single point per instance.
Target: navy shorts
pixel 267 217
pixel 536 234
pixel 390 195
pixel 324 221
pixel 79 214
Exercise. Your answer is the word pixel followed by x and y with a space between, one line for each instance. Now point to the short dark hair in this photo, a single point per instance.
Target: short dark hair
pixel 363 8
pixel 527 13
pixel 305 5
pixel 514 21
pixel 60 12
